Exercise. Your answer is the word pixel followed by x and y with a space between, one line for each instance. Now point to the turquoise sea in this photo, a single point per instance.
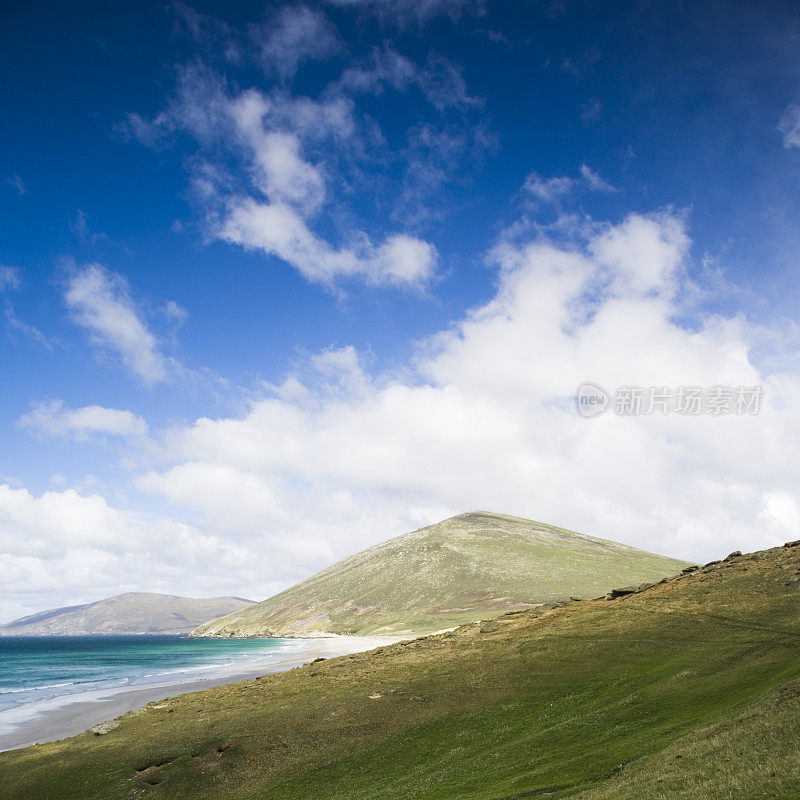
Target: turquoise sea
pixel 43 668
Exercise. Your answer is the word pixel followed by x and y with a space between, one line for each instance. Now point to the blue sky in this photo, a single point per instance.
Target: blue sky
pixel 280 281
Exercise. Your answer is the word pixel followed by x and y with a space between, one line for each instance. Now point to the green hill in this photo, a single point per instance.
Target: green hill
pixel 461 569
pixel 686 690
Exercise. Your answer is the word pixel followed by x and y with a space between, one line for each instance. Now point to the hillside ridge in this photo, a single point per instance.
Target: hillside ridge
pixel 462 568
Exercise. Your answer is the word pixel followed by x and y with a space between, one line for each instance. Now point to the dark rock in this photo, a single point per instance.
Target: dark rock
pixel 795 543
pixel 691 569
pixel 625 590
pixel 712 563
pixel 576 599
pixel 644 587
pixel 317 660
pixel 734 554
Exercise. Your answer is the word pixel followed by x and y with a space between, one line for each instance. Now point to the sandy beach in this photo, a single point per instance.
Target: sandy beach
pixel 59 718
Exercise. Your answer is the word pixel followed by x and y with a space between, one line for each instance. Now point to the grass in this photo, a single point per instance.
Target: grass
pixel 752 756
pixel 592 700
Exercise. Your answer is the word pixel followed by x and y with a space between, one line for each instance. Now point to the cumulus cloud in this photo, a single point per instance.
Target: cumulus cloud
pixel 61 548
pixel 100 302
pixel 485 417
pixel 335 458
pixel 53 419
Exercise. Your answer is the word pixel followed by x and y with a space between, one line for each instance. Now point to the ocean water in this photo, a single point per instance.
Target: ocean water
pixel 38 669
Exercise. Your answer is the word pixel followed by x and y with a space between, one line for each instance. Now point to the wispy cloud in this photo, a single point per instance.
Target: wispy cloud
pixel 404 13
pixel 594 181
pixel 80 227
pixel 9 278
pixel 789 126
pixel 273 198
pixel 440 80
pixel 27 330
pixel 293 34
pixel 548 190
pixel 18 184
pixel 101 303
pixel 554 189
pixel 11 281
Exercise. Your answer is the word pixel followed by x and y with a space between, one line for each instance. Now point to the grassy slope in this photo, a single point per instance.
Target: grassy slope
pixel 757 750
pixel 462 569
pixel 590 700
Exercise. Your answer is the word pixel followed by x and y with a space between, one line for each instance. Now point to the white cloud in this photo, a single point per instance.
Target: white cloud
pixel 548 189
pixel 100 302
pixel 62 548
pixel 643 254
pixel 53 419
pixel 281 172
pixel 298 154
pixel 335 459
pixel 789 126
pixel 277 229
pixel 484 417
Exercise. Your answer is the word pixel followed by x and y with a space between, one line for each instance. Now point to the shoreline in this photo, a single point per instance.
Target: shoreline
pixel 70 715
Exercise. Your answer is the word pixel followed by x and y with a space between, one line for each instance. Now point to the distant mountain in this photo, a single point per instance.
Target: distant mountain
pixel 462 569
pixel 129 613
